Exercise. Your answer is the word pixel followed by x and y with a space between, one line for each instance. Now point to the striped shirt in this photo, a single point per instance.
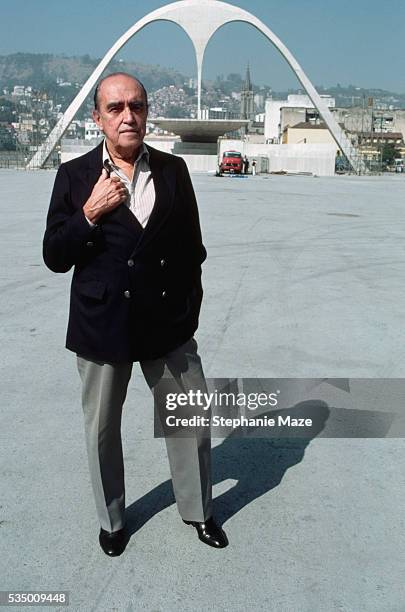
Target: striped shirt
pixel 141 190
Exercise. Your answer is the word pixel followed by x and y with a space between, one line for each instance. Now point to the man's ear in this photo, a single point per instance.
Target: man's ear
pixel 97 119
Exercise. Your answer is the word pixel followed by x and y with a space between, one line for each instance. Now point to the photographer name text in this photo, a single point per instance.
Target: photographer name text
pixel 240 421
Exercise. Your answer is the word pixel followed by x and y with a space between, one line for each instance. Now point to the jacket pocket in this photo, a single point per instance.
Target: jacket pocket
pixel 92 288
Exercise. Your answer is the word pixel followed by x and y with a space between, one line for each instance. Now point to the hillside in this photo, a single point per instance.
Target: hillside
pixel 42 70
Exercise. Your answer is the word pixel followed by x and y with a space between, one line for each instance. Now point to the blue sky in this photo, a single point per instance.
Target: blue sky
pixel 361 42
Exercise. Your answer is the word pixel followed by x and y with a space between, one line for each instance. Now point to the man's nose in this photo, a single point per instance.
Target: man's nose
pixel 128 115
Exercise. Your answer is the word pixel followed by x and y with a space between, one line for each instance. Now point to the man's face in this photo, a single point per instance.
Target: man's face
pixel 121 113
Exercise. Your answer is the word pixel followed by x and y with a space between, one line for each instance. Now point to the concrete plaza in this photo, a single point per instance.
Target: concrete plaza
pixel 304 278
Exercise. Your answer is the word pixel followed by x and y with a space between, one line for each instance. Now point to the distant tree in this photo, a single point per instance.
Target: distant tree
pixel 7 138
pixel 7 110
pixel 188 90
pixel 175 112
pixel 389 153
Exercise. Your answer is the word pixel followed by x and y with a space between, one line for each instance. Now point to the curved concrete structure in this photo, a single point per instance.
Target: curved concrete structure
pixel 199 130
pixel 200 19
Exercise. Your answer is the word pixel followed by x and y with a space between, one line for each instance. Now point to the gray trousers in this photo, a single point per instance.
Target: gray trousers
pixel 104 389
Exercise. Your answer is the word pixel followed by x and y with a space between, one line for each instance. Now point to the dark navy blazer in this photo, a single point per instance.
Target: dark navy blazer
pixel 136 292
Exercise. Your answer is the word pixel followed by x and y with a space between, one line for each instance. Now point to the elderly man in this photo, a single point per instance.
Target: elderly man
pixel 125 217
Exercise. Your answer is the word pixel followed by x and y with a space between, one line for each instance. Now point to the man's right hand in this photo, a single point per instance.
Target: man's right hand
pixel 107 194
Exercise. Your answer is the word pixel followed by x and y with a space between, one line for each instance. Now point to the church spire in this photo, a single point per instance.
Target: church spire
pixel 247 106
pixel 248 84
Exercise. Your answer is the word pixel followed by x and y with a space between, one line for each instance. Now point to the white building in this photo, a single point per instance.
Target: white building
pixel 259 100
pixel 272 122
pixel 91 130
pixel 18 90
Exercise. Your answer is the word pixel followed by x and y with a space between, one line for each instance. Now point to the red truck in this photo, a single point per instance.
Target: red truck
pixel 232 162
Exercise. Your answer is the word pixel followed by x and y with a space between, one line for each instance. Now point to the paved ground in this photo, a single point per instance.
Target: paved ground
pixel 305 278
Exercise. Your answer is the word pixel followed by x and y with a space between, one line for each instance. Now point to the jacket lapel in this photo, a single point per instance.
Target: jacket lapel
pixel 95 165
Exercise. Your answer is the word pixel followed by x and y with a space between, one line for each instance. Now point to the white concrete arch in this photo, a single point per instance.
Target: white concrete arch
pixel 199 19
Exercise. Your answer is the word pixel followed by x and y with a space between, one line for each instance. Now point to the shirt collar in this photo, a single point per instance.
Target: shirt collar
pixel 143 153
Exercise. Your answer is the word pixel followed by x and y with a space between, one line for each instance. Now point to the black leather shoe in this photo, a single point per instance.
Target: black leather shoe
pixel 210 533
pixel 113 544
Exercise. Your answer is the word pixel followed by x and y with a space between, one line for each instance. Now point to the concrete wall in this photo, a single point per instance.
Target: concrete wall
pixel 196 161
pixel 165 144
pixel 198 157
pixel 251 149
pixel 201 163
pixel 310 136
pixel 74 147
pixel 316 158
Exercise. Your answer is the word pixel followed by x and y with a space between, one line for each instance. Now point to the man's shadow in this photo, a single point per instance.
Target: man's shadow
pixel 257 464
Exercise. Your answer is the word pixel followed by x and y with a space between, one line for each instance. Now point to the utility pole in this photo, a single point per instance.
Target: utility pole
pixel 370 104
pixel 361 139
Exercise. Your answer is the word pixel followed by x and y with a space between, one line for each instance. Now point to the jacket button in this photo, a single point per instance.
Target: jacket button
pixel 127 294
pixel 162 262
pixel 89 243
pixel 130 262
pixel 163 294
